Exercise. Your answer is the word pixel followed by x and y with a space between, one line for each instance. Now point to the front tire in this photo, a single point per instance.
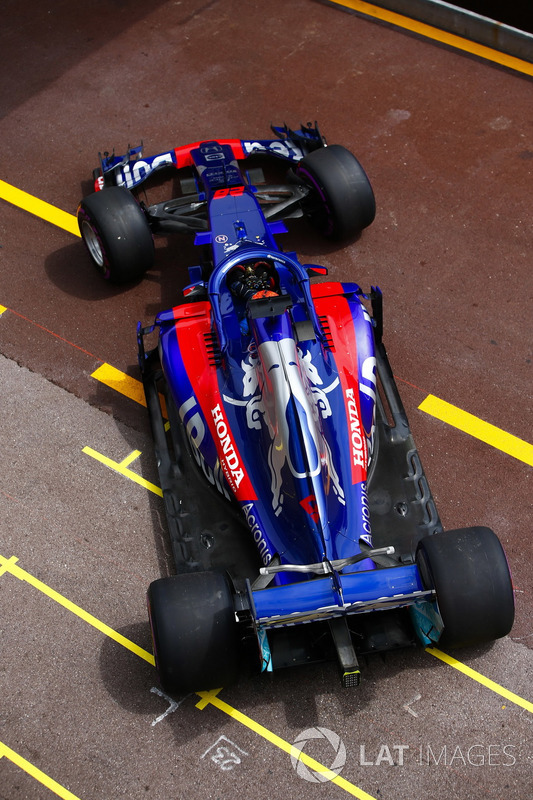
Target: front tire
pixel 194 631
pixel 469 572
pixel 341 202
pixel 116 234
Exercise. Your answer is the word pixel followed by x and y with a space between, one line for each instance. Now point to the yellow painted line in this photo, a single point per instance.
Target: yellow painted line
pixel 9 565
pixel 213 699
pixel 39 207
pixel 36 773
pixel 436 34
pixel 477 676
pixel 440 409
pixel 2 309
pixel 468 423
pixel 122 468
pixel 133 456
pixel 122 383
pixel 6 564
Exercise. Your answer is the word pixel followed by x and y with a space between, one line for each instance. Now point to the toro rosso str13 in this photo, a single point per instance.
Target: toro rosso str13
pixel 301 521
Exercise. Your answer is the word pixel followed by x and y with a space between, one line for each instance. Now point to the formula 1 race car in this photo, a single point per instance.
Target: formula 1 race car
pixel 301 521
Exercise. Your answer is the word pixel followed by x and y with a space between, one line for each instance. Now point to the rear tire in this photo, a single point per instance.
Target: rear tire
pixel 116 234
pixel 469 572
pixel 341 201
pixel 194 631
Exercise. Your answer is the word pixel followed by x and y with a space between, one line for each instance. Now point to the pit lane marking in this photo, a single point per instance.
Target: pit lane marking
pixel 173 705
pixel 36 773
pixel 476 427
pixel 39 208
pixel 206 698
pixel 69 223
pixel 10 566
pixel 436 34
pixel 124 384
pixel 225 755
pixel 122 468
pixel 484 681
pixel 432 405
pixel 408 705
pixel 212 698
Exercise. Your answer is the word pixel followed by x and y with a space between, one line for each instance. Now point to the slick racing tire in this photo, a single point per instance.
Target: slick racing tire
pixel 469 572
pixel 116 234
pixel 341 201
pixel 194 631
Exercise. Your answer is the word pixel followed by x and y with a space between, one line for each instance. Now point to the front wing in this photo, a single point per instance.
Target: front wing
pixel 131 169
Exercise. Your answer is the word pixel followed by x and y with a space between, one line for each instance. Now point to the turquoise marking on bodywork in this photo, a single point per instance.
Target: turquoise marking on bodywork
pixel 427 621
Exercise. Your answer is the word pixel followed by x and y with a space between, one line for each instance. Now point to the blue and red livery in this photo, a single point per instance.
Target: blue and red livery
pixel 298 508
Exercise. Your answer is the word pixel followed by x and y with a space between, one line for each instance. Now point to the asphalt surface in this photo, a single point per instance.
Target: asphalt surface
pixel 447 141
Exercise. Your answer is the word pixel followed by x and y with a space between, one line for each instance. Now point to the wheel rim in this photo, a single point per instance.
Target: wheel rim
pixel 93 244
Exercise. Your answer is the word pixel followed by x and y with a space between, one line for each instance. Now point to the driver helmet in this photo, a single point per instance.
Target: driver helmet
pixel 253 280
